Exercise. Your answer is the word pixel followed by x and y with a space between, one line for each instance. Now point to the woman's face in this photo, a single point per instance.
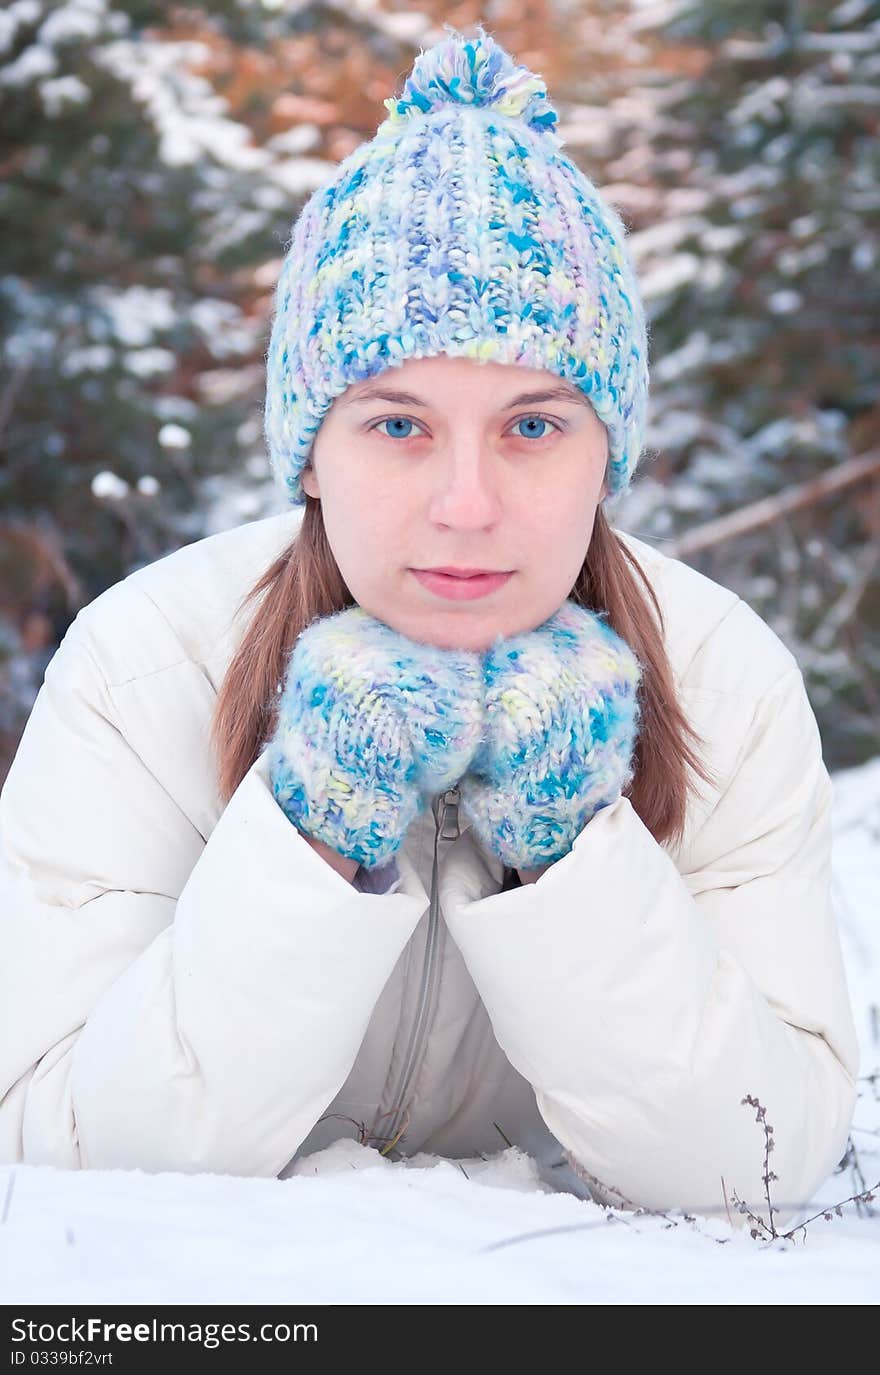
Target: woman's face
pixel 453 466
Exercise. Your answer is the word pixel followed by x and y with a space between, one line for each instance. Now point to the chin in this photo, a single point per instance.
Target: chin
pixel 461 637
pixel 463 632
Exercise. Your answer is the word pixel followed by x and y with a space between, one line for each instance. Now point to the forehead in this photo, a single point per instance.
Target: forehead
pixel 444 379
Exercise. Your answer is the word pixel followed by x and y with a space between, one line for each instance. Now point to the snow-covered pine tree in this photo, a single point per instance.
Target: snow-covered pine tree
pixel 137 216
pixel 761 271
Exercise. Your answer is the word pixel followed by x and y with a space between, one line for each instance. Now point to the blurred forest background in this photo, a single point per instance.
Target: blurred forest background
pixel 153 158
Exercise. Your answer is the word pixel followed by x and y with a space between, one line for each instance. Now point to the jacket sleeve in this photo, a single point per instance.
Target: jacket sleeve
pixel 644 1004
pixel 168 1003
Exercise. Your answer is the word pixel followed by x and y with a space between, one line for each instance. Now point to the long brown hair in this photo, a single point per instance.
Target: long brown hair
pixel 304 583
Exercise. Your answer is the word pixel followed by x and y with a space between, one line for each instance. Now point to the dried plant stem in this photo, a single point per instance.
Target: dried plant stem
pixel 760 1226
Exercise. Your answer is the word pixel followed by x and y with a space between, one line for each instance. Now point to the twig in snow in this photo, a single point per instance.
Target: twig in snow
pixel 760 1226
pixel 393 1143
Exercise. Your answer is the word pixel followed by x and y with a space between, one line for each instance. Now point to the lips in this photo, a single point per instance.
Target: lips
pixel 459 587
pixel 466 572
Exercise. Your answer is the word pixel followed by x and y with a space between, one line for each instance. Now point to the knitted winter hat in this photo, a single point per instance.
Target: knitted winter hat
pixel 460 229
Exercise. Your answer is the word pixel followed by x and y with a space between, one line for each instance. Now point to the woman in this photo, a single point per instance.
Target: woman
pixel 306 839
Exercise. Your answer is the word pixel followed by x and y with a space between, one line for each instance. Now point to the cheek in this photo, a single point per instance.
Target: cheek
pixel 560 524
pixel 364 531
pixel 560 536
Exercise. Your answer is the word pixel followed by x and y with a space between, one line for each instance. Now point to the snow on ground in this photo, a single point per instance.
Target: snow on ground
pixel 354 1227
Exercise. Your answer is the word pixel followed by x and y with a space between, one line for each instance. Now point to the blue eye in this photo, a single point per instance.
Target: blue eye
pixel 394 420
pixel 533 420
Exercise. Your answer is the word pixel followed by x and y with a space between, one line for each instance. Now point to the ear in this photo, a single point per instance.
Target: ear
pixel 309 479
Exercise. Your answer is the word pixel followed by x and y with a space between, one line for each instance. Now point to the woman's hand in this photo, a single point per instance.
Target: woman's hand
pixel 370 724
pixel 561 726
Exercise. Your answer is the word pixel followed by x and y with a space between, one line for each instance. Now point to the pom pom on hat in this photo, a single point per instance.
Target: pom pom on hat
pixel 476 72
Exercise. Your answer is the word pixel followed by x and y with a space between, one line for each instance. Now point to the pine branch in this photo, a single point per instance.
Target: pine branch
pixel 770 509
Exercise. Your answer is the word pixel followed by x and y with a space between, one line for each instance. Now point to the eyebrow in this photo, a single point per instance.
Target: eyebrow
pixel 527 398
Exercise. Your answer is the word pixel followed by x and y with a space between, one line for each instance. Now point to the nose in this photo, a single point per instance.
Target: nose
pixel 466 491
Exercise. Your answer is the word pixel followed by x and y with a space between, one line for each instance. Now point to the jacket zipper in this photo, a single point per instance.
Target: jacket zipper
pixel 445 810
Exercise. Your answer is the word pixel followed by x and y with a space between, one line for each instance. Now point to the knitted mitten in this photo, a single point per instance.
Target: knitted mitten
pixel 370 724
pixel 561 725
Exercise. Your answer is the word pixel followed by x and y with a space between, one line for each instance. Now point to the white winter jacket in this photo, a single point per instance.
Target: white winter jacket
pixel 191 987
